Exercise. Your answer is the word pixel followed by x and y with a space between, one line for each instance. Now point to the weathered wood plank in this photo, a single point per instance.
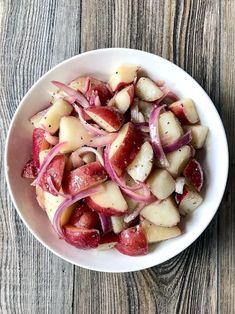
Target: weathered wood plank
pixel 226 228
pixel 32 279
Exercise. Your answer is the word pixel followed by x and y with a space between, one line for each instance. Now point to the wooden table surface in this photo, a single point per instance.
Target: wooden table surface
pixel 199 36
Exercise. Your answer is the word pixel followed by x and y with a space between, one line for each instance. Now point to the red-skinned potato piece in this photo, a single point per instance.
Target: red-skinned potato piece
pixel 185 111
pixel 109 238
pixel 55 170
pixel 106 117
pixel 100 88
pixel 83 217
pixel 84 177
pixel 108 241
pixel 123 76
pixel 188 201
pixel 38 144
pixel 194 174
pixel 29 170
pixel 124 98
pixel 133 242
pixel 125 147
pixel 88 220
pixel 110 201
pixel 96 87
pixel 81 238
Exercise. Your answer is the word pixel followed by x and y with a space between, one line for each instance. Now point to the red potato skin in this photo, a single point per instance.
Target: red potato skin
pixel 89 220
pixel 132 242
pixel 100 88
pixel 178 109
pixel 30 170
pixel 38 144
pixel 77 213
pixel 81 238
pixel 84 177
pixel 180 197
pixel 194 173
pixel 109 238
pixel 55 170
pixel 109 114
pixel 127 152
pixel 84 217
pixel 131 93
pixel 104 210
pixel 121 85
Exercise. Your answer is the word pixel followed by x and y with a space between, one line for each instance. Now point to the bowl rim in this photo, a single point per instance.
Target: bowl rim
pixel 152 263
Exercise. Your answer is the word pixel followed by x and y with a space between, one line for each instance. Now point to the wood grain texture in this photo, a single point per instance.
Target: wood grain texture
pixel 197 35
pixel 226 221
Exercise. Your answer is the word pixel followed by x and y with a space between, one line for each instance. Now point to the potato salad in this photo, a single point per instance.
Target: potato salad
pixel 114 164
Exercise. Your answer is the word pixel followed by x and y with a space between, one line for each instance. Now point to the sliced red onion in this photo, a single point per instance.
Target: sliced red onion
pixel 92 129
pixel 184 140
pixel 87 85
pixel 76 160
pixel 83 150
pixel 179 185
pixel 69 99
pixel 92 98
pixel 62 95
pixel 144 127
pixel 102 140
pixel 155 138
pixel 68 202
pixel 54 190
pixel 51 139
pixel 138 197
pixel 136 115
pixel 111 172
pixel 52 153
pixel 97 101
pixel 73 94
pixel 105 221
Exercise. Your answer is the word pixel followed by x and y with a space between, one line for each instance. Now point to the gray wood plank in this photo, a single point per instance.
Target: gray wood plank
pixel 33 38
pixel 226 227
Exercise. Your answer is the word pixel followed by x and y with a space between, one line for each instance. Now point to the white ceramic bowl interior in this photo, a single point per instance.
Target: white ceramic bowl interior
pixel 100 63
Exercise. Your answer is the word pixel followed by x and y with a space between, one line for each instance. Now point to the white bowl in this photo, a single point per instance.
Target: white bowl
pixel 100 63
